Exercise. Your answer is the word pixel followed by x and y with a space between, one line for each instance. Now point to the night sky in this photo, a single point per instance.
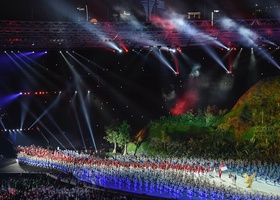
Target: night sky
pixel 132 86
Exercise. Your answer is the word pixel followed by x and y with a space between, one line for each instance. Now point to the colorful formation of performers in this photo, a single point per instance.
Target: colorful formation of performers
pixel 168 177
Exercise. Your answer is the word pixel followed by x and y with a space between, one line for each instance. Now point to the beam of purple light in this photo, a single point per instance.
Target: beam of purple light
pixel 4 100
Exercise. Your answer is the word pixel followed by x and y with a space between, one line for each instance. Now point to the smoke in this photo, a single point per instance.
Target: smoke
pixel 170 96
pixel 195 71
pixel 188 100
pixel 200 90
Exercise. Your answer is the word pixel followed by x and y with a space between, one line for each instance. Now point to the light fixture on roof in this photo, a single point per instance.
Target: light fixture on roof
pixel 212 16
pixel 83 9
pixel 126 13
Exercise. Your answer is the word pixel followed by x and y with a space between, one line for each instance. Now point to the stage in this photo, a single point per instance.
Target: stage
pixel 11 166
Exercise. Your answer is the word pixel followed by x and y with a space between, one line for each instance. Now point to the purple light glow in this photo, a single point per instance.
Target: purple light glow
pixel 4 100
pixel 35 54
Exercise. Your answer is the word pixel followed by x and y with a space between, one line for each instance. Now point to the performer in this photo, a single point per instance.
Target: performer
pixel 220 173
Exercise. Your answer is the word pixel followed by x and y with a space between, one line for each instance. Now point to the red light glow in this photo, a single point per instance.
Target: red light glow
pixel 187 102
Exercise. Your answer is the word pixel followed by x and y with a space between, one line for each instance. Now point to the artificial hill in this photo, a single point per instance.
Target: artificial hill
pixel 257 110
pixel 251 129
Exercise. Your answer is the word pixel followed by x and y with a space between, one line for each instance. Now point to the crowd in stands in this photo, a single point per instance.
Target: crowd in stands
pixel 38 187
pixel 168 177
pixel 45 187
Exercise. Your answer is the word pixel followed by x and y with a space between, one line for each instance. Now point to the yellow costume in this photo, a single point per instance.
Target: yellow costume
pixel 249 180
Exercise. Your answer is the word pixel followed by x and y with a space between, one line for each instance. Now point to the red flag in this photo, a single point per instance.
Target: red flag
pixel 223 167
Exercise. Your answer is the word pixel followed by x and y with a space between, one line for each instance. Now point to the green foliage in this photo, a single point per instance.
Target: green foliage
pixel 248 134
pixel 164 138
pixel 123 134
pixel 118 134
pixel 143 148
pixel 111 133
pixel 131 147
pixel 185 126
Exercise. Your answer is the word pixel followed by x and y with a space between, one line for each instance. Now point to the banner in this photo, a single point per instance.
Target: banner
pixel 223 167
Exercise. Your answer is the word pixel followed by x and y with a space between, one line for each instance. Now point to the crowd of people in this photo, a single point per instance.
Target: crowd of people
pixel 167 177
pixel 34 186
pixel 45 187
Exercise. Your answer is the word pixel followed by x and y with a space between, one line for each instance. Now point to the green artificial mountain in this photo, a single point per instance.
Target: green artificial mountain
pixel 258 110
pixel 250 129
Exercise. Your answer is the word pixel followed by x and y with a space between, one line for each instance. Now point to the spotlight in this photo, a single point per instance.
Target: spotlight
pixel 173 50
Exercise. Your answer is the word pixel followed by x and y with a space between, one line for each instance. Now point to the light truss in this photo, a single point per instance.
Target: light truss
pixel 54 35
